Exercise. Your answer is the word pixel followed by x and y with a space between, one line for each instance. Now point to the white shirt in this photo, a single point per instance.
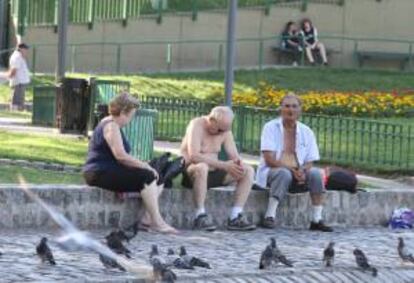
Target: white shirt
pixel 272 140
pixel 22 75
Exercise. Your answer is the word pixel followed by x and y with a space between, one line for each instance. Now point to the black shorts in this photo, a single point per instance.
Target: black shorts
pixel 215 179
pixel 122 179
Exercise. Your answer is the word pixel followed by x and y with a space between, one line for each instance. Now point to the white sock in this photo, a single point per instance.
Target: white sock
pixel 317 213
pixel 272 207
pixel 235 211
pixel 200 211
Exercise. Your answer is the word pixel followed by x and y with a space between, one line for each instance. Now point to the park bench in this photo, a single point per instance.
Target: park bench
pixel 281 53
pixel 362 56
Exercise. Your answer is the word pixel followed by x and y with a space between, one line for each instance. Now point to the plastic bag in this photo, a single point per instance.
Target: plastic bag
pixel 402 218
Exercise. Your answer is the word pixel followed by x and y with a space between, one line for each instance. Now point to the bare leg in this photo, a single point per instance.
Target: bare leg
pixel 199 173
pixel 146 218
pixel 243 187
pixel 322 51
pixel 310 55
pixel 150 198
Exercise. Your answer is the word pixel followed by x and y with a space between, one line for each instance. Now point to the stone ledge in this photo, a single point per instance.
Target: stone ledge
pixel 90 207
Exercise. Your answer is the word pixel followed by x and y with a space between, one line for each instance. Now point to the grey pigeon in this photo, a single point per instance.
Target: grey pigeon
pixel 403 252
pixel 44 252
pixel 277 254
pixel 114 242
pixel 177 261
pixel 362 262
pixel 129 232
pixel 329 254
pixel 110 263
pixel 194 261
pixel 162 272
pixel 266 258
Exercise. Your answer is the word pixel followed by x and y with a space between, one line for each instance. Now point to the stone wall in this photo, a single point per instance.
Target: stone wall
pixel 94 208
pixel 357 18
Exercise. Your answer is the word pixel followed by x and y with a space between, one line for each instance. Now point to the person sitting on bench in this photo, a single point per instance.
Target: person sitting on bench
pixel 291 41
pixel 309 34
pixel 200 147
pixel 110 166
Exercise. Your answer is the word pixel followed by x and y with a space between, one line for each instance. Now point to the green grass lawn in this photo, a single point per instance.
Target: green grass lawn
pixel 42 148
pixel 9 174
pixel 203 84
pixel 15 114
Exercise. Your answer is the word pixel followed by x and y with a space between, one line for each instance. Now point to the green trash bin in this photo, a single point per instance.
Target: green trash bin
pixel 44 105
pixel 140 133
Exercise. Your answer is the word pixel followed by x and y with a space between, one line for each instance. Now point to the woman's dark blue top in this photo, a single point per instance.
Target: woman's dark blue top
pixel 100 157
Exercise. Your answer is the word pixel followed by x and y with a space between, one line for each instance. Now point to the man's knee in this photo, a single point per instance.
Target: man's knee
pixel 199 171
pixel 315 181
pixel 280 174
pixel 249 173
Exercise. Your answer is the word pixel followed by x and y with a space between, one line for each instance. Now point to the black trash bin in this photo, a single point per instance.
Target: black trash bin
pixel 73 106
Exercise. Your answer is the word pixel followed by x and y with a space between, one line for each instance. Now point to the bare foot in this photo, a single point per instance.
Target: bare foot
pixel 164 228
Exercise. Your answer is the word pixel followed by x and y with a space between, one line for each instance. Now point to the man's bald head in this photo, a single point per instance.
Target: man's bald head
pixel 220 113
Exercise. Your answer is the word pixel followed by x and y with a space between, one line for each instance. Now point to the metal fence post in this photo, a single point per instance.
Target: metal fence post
pixel 34 60
pixel 159 17
pixel 267 8
pixel 261 54
pixel 125 13
pixel 118 58
pixel 169 56
pixel 220 57
pixel 195 10
pixel 91 13
pixel 92 98
pixel 73 57
pixel 304 7
pixel 241 113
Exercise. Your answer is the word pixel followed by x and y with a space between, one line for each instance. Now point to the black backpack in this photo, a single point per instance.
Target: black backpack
pixel 339 179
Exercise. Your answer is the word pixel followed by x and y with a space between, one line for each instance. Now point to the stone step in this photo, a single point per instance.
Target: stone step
pixel 90 207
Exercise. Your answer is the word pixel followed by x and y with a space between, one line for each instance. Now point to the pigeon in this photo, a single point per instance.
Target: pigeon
pixel 362 262
pixel 177 261
pixel 266 258
pixel 277 254
pixel 329 254
pixel 403 252
pixel 114 242
pixel 129 232
pixel 194 261
pixel 44 252
pixel 109 262
pixel 162 272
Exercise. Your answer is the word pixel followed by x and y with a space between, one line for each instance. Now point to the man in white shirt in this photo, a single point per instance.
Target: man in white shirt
pixel 288 150
pixel 18 76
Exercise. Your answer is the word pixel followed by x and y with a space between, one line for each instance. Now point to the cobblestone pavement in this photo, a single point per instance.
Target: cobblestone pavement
pixel 234 257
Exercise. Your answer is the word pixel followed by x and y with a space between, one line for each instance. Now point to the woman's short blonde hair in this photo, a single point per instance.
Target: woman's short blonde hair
pixel 122 103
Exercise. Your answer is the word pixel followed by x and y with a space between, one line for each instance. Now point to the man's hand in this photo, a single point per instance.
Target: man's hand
pixel 299 175
pixel 235 169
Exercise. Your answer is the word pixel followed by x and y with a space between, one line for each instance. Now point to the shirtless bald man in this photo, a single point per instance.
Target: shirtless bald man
pixel 200 147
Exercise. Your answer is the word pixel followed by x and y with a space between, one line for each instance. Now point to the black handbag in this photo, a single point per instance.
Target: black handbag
pixel 340 179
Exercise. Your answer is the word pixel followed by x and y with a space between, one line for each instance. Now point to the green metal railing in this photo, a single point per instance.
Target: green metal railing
pixel 44 12
pixel 341 140
pixel 117 54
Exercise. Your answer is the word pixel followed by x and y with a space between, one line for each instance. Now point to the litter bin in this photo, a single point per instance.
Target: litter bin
pixel 140 133
pixel 73 102
pixel 44 105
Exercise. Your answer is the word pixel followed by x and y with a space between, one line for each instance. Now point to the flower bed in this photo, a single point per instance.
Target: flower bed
pixel 364 104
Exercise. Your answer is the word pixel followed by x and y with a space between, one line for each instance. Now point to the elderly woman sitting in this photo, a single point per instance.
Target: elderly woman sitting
pixel 110 166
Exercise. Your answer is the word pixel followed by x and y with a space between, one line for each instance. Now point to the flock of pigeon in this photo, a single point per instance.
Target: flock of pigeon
pixel 272 255
pixel 163 265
